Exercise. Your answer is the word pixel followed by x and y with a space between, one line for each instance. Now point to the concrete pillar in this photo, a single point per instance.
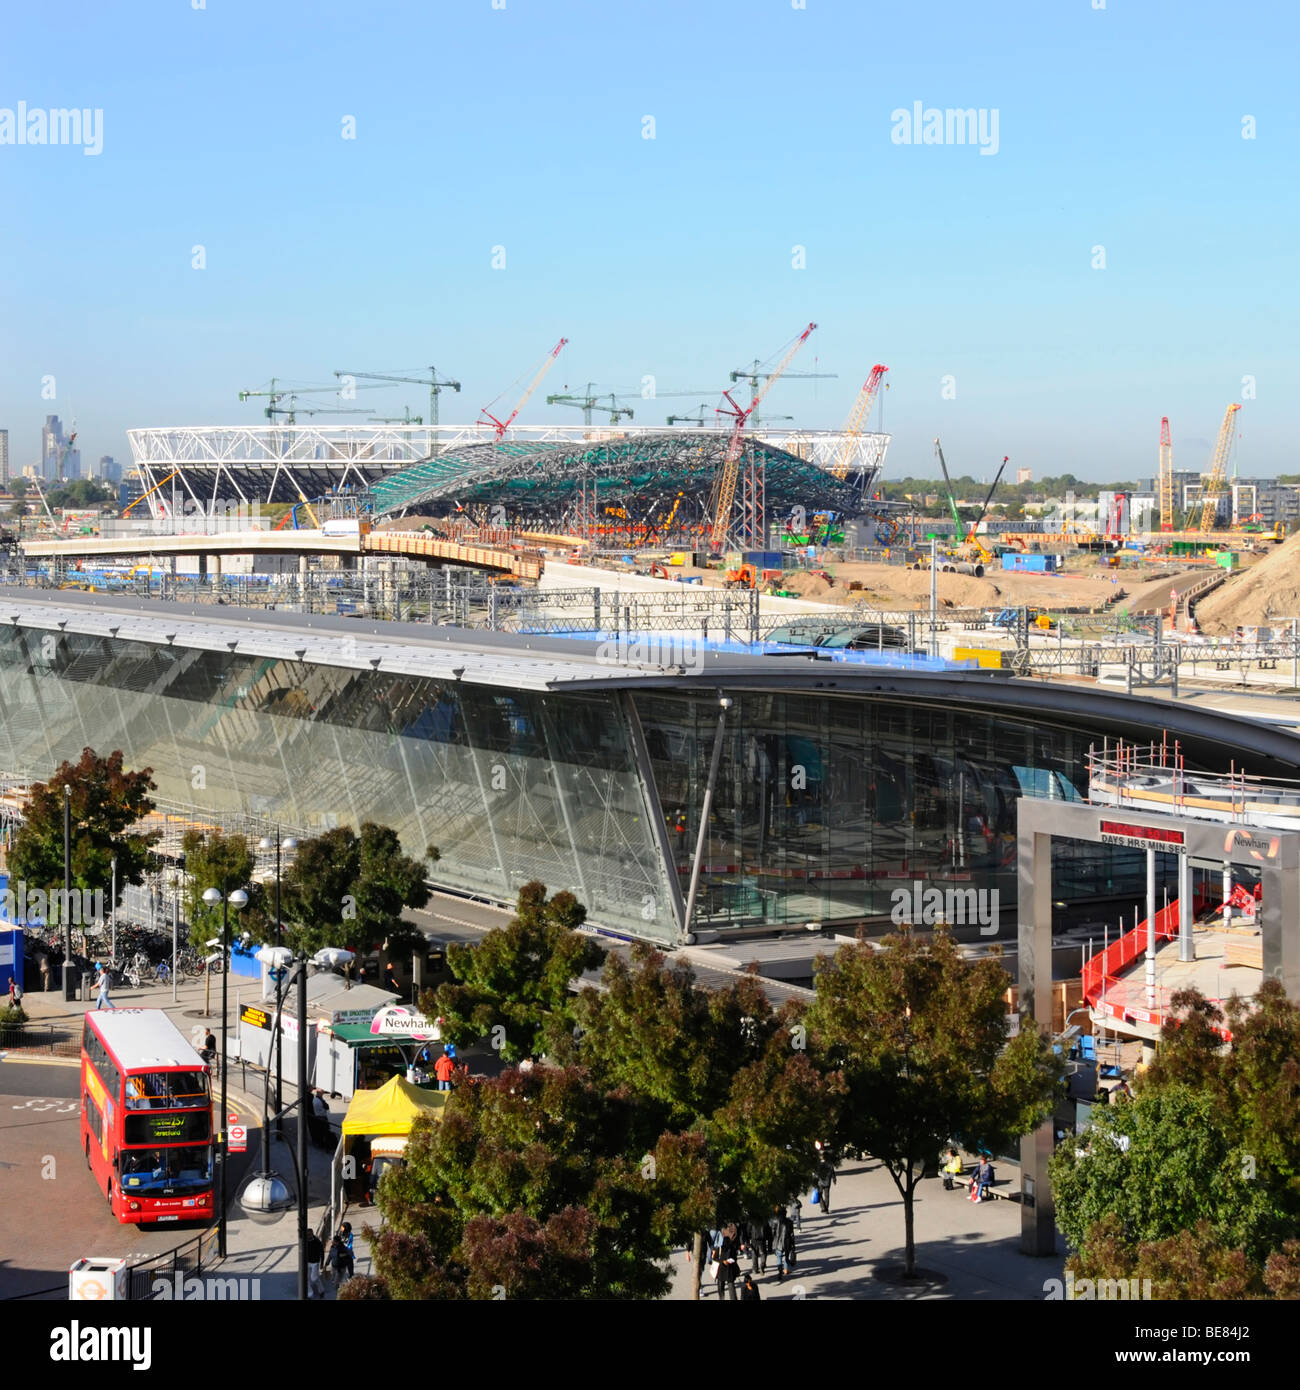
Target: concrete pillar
pixel 1038 1209
pixel 1148 1052
pixel 1227 881
pixel 1186 941
pixel 302 576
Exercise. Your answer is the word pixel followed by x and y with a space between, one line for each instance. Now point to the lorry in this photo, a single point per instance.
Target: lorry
pixel 747 577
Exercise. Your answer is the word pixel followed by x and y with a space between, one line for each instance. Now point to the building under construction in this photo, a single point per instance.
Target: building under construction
pixel 626 486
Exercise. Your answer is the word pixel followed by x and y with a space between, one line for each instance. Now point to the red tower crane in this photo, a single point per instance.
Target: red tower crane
pixel 730 471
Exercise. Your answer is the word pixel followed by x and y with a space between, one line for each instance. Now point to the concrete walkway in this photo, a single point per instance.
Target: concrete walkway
pixel 974 1247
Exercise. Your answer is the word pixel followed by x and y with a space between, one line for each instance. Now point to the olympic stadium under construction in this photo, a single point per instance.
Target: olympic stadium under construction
pixel 627 485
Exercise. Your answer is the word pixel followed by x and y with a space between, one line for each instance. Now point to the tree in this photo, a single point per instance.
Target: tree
pixel 349 890
pixel 106 800
pixel 1195 1183
pixel 224 862
pixel 918 1036
pixel 526 1188
pixel 81 492
pixel 517 979
pixel 18 488
pixel 732 1102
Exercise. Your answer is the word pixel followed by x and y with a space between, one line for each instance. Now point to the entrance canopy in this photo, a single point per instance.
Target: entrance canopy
pixel 392 1109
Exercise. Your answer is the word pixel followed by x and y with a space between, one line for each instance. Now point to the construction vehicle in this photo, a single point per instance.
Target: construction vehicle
pixel 658 570
pixel 823 574
pixel 969 554
pixel 748 577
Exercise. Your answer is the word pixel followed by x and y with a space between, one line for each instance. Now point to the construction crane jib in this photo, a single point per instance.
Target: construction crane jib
pixel 1166 476
pixel 1213 488
pixel 731 461
pixel 501 426
pixel 857 421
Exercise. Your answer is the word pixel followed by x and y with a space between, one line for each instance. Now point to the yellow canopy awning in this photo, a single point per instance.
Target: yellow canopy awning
pixel 392 1109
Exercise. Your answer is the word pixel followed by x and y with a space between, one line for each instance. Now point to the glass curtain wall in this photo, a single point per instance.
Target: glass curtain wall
pixel 509 785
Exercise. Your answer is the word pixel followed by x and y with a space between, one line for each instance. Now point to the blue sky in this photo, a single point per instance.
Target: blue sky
pixel 522 127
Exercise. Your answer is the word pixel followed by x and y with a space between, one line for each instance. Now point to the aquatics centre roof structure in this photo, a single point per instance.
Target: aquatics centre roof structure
pixel 544 472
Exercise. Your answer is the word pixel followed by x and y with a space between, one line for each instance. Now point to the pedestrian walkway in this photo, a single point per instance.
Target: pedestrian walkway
pixel 974 1246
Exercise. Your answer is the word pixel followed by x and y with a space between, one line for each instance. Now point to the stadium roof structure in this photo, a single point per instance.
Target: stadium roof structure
pixel 642 473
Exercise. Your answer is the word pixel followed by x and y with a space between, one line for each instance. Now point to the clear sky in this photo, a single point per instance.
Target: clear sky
pixel 523 127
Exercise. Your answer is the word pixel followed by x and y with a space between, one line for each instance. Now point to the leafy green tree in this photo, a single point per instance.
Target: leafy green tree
pixel 106 802
pixel 1195 1183
pixel 528 1185
pixel 224 862
pixel 918 1035
pixel 517 979
pixel 349 890
pixel 733 1102
pixel 81 492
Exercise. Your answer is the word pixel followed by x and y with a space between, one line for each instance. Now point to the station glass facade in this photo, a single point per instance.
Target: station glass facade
pixel 825 804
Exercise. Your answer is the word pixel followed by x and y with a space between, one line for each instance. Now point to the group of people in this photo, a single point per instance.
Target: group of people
pixel 340 1259
pixel 760 1238
pixel 982 1179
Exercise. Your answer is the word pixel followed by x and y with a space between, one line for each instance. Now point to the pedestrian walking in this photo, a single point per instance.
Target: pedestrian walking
pixel 781 1232
pixel 103 1001
pixel 825 1177
pixel 315 1253
pixel 728 1257
pixel 756 1244
pixel 342 1255
pixel 15 994
pixel 444 1068
pixel 749 1290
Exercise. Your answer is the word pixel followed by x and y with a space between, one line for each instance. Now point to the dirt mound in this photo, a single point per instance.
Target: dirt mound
pixel 1268 590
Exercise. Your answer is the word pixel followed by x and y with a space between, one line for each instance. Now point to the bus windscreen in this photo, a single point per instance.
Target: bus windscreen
pixel 145 1170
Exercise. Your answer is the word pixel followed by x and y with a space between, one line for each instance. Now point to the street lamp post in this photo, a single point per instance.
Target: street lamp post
pixel 289 844
pixel 69 985
pixel 237 900
pixel 112 907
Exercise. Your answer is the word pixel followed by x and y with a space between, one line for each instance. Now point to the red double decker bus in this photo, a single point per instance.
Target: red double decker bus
pixel 146 1117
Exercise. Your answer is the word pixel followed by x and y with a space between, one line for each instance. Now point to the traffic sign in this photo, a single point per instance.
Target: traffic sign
pixel 237 1139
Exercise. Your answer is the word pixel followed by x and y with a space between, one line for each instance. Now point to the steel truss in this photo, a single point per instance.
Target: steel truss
pixel 568 476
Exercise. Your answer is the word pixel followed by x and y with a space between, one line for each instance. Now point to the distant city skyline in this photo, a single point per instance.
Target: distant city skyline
pixel 1054 223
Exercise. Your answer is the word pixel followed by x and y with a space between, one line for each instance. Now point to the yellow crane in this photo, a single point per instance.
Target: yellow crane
pixel 857 421
pixel 730 471
pixel 1166 476
pixel 1212 485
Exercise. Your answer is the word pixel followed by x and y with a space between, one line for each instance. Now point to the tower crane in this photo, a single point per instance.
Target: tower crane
pixel 753 375
pixel 501 426
pixel 1166 476
pixel 857 420
pixel 406 418
pixel 730 471
pixel 1212 485
pixel 435 386
pixel 274 397
pixel 588 403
